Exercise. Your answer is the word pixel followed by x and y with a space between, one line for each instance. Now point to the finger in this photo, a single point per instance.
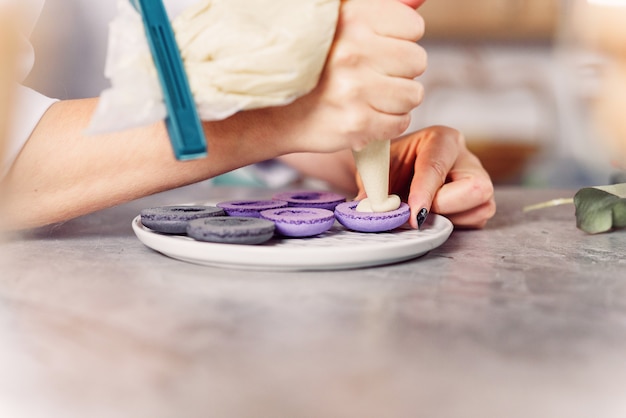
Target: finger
pixel 476 217
pixel 366 116
pixel 380 93
pixel 465 190
pixel 395 96
pixel 379 125
pixel 400 58
pixel 399 21
pixel 436 155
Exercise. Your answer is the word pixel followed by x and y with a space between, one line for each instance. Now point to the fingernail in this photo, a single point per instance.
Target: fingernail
pixel 421 217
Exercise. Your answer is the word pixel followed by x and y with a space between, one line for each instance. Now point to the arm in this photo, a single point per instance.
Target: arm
pixel 61 173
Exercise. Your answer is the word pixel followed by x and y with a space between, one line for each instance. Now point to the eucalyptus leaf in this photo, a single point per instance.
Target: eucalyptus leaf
pixel 601 208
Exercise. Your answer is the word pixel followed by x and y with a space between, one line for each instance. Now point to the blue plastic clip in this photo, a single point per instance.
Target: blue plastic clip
pixel 183 124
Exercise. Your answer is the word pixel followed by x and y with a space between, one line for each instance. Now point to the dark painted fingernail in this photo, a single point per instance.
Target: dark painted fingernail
pixel 421 217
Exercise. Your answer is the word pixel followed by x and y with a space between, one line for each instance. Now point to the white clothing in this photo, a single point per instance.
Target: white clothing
pixel 28 110
pixel 30 105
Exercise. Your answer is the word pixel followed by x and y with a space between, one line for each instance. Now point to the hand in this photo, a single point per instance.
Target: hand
pixel 367 89
pixel 434 170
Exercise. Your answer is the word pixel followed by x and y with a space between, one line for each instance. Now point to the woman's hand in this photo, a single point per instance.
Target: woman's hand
pixel 368 88
pixel 432 169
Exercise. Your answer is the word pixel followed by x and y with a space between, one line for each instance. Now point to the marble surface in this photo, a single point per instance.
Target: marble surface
pixel 526 318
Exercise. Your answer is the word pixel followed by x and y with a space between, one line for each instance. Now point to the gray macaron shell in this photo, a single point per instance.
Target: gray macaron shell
pixel 174 219
pixel 231 230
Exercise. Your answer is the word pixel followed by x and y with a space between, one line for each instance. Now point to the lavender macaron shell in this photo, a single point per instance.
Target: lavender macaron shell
pixel 348 216
pixel 300 222
pixel 174 219
pixel 250 208
pixel 311 199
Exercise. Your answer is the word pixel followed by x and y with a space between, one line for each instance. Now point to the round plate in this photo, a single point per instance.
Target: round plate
pixel 335 249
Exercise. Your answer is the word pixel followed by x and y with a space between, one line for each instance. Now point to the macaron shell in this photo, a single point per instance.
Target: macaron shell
pixel 250 208
pixel 300 222
pixel 231 230
pixel 174 219
pixel 348 216
pixel 311 199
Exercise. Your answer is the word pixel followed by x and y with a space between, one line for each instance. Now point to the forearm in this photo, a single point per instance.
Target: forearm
pixel 61 173
pixel 337 169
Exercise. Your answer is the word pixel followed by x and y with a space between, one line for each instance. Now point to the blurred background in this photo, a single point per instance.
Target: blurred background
pixel 515 76
pixel 8 64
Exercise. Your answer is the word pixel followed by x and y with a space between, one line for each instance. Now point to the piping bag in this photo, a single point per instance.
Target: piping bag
pixel 236 55
pixel 372 163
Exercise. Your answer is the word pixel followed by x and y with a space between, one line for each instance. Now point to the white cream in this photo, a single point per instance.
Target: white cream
pixel 242 54
pixel 372 163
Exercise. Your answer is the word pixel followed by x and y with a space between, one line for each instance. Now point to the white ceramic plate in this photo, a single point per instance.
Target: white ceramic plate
pixel 336 249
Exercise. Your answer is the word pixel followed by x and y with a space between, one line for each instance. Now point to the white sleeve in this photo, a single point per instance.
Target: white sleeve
pixel 29 107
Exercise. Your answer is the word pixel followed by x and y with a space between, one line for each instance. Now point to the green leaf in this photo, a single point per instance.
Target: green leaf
pixel 601 208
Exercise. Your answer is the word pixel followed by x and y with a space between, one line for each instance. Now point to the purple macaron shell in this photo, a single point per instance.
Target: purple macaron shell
pixel 250 208
pixel 348 216
pixel 311 199
pixel 174 219
pixel 300 222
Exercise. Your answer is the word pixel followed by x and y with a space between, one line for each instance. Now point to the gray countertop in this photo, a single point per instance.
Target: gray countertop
pixel 526 318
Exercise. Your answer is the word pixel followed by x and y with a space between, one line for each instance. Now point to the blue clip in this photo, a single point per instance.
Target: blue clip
pixel 182 122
